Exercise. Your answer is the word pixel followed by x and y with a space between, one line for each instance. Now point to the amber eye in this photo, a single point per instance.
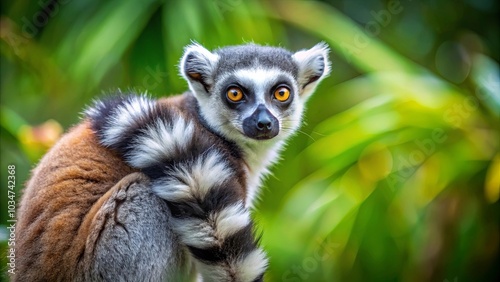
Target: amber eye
pixel 234 94
pixel 282 94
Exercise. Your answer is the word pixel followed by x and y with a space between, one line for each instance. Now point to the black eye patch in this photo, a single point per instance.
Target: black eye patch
pixel 248 86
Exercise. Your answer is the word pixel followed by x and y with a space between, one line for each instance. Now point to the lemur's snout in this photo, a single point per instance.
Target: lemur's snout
pixel 264 121
pixel 261 124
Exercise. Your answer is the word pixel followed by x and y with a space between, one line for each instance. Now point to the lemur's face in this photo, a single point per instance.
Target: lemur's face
pixel 252 93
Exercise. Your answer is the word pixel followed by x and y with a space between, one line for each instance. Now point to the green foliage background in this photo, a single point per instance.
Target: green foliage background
pixel 394 177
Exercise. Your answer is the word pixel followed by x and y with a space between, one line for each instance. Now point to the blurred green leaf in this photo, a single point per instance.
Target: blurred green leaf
pixel 395 176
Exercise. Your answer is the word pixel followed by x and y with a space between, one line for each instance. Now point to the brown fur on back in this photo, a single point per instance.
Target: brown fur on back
pixel 57 205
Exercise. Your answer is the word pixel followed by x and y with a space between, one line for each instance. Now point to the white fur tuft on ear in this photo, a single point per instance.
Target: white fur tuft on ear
pixel 196 66
pixel 313 67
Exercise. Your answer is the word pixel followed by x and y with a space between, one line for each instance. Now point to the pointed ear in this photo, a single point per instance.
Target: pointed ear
pixel 313 67
pixel 197 65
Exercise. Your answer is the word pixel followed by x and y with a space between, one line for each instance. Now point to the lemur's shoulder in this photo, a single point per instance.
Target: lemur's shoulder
pixel 62 190
pixel 79 163
pixel 150 134
pixel 185 103
pixel 77 157
pixel 202 153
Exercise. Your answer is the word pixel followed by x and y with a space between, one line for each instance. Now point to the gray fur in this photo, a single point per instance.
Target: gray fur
pixel 201 153
pixel 252 56
pixel 128 244
pixel 152 246
pixel 305 66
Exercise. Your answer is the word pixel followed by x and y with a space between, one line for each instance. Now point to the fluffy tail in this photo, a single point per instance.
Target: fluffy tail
pixel 198 182
pixel 211 219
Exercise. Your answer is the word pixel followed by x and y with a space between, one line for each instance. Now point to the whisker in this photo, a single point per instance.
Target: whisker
pixel 306 134
pixel 320 134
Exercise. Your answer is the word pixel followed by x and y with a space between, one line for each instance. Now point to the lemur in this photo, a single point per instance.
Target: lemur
pixel 160 190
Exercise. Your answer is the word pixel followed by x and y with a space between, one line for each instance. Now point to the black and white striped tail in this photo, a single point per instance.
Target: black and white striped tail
pixel 195 179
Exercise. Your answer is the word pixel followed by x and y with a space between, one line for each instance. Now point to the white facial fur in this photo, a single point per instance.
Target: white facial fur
pixel 199 67
pixel 227 121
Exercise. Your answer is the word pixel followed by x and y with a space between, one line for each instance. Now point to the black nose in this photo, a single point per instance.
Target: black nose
pixel 261 124
pixel 263 121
